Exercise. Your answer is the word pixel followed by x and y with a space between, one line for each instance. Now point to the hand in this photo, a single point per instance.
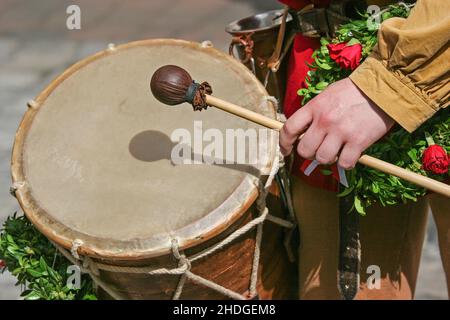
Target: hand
pixel 341 120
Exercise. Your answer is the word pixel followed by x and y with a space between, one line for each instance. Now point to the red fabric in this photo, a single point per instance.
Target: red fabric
pixel 299 4
pixel 302 50
pixel 295 4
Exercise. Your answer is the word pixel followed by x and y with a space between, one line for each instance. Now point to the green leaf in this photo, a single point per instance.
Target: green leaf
pixel 429 139
pixel 302 92
pixel 326 172
pixel 410 197
pixel 375 188
pixel 346 192
pixel 359 207
pixel 322 85
pixel 314 90
pixel 412 154
pixel 359 184
pixel 9 238
pixel 323 65
pixel 16 271
pixel 53 274
pixel 324 41
pixel 11 250
pixel 42 264
pixel 352 42
pixel 32 296
pixel 323 50
pixel 34 273
pixel 386 15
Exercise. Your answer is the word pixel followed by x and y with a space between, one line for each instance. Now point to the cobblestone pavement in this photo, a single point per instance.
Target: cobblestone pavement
pixel 35 46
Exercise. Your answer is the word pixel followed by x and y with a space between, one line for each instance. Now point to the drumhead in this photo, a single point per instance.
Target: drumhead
pixel 94 156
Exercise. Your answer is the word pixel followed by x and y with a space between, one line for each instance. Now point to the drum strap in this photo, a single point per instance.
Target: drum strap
pixel 273 63
pixel 349 249
pixel 317 22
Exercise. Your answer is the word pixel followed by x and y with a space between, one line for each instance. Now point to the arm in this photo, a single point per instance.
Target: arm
pixel 408 74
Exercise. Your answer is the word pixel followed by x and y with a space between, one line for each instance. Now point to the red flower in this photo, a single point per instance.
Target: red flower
pixel 435 159
pixel 347 57
pixel 2 264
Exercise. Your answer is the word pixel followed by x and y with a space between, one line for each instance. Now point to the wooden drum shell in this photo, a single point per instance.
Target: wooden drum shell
pixel 229 267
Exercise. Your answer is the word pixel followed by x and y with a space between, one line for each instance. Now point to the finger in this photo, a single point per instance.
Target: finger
pixel 293 128
pixel 329 149
pixel 311 141
pixel 349 156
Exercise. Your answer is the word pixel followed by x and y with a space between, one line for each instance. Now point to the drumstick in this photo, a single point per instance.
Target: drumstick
pixel 173 85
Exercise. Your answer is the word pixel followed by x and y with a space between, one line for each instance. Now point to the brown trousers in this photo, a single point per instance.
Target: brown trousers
pixel 391 238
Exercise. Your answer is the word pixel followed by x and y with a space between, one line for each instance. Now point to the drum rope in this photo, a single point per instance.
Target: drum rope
pixel 183 269
pixel 85 267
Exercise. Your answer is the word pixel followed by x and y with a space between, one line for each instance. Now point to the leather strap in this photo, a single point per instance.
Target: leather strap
pixel 317 22
pixel 273 62
pixel 312 23
pixel 349 249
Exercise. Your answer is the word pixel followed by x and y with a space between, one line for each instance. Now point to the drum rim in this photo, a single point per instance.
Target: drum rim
pixel 60 234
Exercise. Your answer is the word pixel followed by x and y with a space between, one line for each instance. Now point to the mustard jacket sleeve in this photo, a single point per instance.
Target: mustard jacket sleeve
pixel 408 73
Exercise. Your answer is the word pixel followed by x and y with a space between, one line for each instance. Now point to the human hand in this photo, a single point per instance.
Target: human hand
pixel 339 124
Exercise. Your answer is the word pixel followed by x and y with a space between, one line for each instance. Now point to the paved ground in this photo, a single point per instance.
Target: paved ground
pixel 35 46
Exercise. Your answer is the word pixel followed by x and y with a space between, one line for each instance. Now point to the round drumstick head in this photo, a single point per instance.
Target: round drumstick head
pixel 173 85
pixel 170 84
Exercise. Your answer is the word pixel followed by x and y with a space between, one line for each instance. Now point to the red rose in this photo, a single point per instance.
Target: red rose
pixel 2 264
pixel 347 57
pixel 435 159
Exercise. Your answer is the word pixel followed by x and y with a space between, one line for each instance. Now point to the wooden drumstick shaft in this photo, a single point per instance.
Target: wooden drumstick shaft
pixel 366 160
pixel 417 179
pixel 244 113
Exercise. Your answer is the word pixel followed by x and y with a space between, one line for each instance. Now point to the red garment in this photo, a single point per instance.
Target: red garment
pixel 295 4
pixel 299 4
pixel 302 49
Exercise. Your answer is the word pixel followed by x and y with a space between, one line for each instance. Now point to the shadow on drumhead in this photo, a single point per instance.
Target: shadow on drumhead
pixel 152 145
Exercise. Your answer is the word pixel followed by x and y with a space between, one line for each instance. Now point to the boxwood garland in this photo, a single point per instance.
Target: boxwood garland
pixel 40 269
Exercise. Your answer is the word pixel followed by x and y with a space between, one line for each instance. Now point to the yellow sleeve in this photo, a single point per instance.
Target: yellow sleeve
pixel 408 73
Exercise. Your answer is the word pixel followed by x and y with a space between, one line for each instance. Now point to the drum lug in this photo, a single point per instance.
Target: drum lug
pixel 207 44
pixel 16 186
pixel 12 191
pixel 32 104
pixel 111 47
pixel 250 296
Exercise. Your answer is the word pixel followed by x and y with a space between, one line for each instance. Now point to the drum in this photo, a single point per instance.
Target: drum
pixel 93 170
